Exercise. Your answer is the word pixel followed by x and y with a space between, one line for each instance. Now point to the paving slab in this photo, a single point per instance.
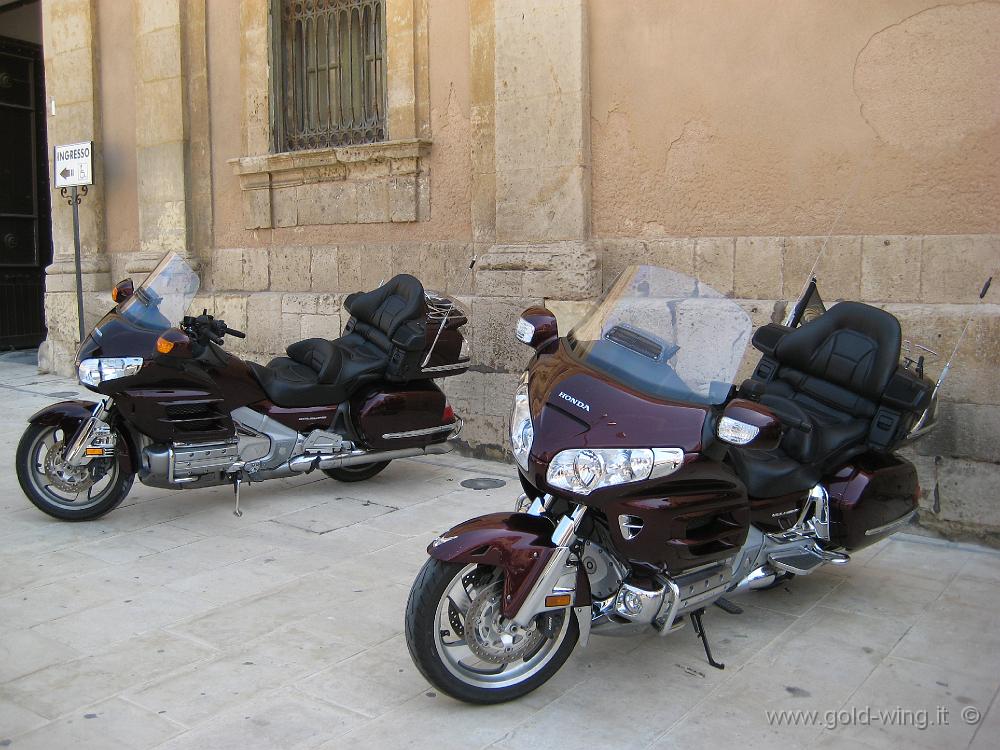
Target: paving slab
pixel 170 623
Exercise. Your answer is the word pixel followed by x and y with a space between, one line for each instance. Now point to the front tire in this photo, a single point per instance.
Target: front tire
pixel 444 599
pixel 56 489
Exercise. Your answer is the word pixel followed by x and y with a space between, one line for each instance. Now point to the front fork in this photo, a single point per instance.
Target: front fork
pixel 559 584
pixel 93 439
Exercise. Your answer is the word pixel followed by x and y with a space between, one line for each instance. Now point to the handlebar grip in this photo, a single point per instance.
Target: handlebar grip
pixel 234 332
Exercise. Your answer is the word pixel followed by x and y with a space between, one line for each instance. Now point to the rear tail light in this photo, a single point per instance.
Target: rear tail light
pixel 449 414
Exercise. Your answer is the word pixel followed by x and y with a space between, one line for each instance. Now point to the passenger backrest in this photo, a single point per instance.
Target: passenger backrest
pixel 852 346
pixel 388 307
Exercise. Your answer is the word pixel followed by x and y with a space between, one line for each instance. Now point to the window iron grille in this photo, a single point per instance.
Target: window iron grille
pixel 333 73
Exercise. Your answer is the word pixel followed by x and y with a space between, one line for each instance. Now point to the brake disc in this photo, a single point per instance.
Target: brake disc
pixel 494 638
pixel 62 476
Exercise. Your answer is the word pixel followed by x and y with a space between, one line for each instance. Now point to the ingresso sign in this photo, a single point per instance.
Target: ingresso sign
pixel 74 164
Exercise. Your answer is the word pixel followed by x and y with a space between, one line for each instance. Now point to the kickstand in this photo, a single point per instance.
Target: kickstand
pixel 236 490
pixel 699 630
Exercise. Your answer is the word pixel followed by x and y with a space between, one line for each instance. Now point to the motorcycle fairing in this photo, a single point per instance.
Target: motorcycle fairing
pixel 518 543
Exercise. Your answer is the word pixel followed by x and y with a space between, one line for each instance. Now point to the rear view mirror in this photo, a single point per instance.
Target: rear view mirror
pixel 537 327
pixel 122 291
pixel 748 423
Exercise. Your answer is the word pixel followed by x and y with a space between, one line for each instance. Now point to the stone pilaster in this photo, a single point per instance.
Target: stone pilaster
pixel 541 154
pixel 161 132
pixel 71 87
pixel 482 106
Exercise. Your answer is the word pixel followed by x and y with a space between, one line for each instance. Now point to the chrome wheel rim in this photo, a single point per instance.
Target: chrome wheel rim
pixel 64 486
pixel 472 638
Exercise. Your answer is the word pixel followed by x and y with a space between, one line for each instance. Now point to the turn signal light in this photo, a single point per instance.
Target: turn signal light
pixel 558 600
pixel 174 342
pixel 122 291
pixel 94 451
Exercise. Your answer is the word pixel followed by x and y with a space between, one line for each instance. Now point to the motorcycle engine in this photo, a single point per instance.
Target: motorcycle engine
pixel 604 571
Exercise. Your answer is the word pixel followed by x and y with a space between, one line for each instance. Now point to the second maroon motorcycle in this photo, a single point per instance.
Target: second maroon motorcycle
pixel 180 412
pixel 653 486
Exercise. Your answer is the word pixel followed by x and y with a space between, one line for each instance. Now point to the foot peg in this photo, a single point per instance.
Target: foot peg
pixel 699 630
pixel 727 606
pixel 803 561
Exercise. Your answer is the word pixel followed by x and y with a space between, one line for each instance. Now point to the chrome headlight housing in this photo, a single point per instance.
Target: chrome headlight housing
pixel 583 470
pixel 95 371
pixel 522 432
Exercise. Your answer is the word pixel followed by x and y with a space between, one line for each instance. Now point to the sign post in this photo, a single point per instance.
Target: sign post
pixel 74 167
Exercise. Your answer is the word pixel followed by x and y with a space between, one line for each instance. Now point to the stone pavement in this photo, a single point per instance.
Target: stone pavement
pixel 172 624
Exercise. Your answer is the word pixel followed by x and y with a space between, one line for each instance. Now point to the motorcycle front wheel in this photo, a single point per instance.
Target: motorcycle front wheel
pixel 462 644
pixel 68 493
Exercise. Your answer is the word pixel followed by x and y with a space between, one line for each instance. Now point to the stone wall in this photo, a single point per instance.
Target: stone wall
pixel 519 137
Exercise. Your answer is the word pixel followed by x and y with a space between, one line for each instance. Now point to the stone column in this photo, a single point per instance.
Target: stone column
pixel 161 132
pixel 71 88
pixel 542 153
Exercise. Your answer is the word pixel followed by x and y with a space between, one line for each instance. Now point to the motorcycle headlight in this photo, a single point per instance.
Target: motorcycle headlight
pixel 522 432
pixel 582 471
pixel 95 371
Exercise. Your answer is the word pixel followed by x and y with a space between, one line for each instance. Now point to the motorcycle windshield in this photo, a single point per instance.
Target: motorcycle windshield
pixel 664 334
pixel 162 299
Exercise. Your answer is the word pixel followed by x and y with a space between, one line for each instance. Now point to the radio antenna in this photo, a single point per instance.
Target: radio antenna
pixel 796 310
pixel 961 337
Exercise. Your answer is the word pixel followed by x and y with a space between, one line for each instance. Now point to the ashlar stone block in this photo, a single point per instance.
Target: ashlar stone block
pixel 758 267
pixel 890 268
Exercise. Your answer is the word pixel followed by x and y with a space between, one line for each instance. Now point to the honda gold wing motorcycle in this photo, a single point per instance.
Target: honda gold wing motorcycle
pixel 654 487
pixel 180 412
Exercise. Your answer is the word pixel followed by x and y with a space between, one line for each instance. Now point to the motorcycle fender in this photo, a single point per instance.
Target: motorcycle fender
pixel 519 543
pixel 69 415
pixel 65 414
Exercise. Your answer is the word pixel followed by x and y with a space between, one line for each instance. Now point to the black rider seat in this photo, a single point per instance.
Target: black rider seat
pixel 320 372
pixel 831 373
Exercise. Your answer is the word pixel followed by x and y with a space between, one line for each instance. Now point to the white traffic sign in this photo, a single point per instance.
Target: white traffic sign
pixel 74 164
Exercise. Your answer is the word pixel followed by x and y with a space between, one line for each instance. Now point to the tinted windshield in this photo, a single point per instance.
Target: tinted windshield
pixel 664 334
pixel 162 299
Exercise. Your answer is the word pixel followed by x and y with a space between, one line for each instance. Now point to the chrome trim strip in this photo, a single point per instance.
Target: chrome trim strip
pixel 422 432
pixel 892 524
pixel 442 368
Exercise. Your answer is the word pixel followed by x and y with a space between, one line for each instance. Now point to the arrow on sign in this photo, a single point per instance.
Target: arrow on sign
pixel 66 172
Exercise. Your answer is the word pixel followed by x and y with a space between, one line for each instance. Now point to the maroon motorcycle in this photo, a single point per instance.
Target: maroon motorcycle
pixel 654 487
pixel 180 412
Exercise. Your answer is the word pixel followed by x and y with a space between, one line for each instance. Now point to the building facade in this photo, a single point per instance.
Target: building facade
pixel 299 150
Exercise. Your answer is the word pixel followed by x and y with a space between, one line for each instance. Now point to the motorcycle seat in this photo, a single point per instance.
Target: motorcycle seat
pixel 320 372
pixel 831 373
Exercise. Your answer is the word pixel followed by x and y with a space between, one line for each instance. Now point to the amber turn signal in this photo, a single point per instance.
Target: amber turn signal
pixel 558 600
pixel 174 342
pixel 122 291
pixel 94 451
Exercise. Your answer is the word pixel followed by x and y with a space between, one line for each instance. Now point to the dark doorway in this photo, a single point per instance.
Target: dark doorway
pixel 25 227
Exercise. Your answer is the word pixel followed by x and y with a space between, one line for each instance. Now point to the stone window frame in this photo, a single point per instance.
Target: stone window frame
pixel 382 182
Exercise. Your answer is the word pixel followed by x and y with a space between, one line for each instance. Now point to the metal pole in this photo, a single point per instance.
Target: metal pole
pixel 75 201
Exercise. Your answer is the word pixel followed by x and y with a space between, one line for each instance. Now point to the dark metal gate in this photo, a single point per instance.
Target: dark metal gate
pixel 25 228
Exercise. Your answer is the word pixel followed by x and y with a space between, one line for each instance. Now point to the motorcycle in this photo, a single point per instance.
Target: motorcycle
pixel 180 412
pixel 653 486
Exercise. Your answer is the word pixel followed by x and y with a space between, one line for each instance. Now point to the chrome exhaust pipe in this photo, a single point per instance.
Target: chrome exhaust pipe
pixel 304 464
pixel 759 578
